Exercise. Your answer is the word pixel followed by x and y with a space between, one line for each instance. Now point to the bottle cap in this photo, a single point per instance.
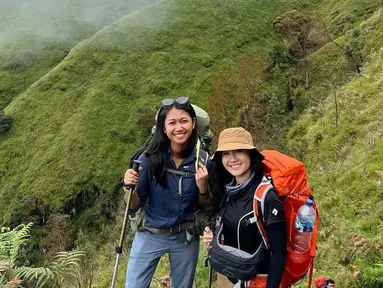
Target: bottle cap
pixel 309 202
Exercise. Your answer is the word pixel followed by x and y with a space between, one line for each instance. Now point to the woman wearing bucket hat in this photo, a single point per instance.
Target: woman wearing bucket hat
pixel 238 172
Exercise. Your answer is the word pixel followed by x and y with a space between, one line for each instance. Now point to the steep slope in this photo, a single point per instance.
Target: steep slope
pixel 37 35
pixel 75 127
pixel 341 141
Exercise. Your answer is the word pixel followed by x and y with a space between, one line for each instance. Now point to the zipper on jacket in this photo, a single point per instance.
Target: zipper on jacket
pixel 239 224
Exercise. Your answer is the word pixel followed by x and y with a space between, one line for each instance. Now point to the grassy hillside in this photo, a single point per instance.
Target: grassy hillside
pixel 37 35
pixel 344 155
pixel 340 140
pixel 75 127
pixel 20 68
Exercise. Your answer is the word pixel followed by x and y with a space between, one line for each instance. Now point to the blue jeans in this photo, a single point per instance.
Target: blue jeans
pixel 146 251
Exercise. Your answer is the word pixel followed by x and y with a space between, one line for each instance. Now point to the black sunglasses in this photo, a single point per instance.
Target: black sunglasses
pixel 180 100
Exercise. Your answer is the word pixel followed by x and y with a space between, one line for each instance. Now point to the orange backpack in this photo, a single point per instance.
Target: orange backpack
pixel 289 180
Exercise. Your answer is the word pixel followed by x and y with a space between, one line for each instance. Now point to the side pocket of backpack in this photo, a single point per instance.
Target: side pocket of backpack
pixel 137 220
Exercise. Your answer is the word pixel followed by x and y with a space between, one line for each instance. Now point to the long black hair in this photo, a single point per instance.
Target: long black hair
pixel 158 149
pixel 220 176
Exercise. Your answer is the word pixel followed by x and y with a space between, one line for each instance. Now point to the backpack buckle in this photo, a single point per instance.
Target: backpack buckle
pixel 175 229
pixel 266 179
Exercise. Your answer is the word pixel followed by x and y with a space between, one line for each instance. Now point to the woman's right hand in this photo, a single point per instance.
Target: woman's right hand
pixel 207 237
pixel 131 177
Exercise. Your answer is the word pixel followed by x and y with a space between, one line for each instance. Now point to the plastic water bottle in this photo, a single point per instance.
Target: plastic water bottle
pixel 304 225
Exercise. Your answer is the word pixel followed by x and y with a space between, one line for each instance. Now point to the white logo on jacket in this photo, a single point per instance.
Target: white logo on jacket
pixel 275 212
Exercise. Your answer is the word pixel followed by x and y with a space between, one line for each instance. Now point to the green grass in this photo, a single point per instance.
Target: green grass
pixel 345 167
pixel 77 119
pixel 345 15
pixel 74 129
pixel 19 69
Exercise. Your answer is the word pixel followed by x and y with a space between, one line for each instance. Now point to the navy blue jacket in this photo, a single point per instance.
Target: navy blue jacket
pixel 166 207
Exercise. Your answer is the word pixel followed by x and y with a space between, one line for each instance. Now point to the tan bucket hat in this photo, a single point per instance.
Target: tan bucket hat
pixel 234 139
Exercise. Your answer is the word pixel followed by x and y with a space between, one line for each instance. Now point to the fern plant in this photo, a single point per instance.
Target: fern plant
pixel 64 268
pixel 3 280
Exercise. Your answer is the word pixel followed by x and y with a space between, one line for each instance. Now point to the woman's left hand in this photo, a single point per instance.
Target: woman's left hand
pixel 201 178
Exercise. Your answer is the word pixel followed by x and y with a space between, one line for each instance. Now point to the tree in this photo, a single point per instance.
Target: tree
pixel 238 98
pixel 253 107
pixel 222 104
pixel 5 122
pixel 293 29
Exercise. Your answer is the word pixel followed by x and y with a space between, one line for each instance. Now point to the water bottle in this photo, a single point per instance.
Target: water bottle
pixel 304 225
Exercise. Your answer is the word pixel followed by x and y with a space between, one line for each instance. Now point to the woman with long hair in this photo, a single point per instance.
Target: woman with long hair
pixel 169 198
pixel 238 172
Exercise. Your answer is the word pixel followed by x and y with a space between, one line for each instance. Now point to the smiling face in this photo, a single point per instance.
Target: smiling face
pixel 237 163
pixel 178 126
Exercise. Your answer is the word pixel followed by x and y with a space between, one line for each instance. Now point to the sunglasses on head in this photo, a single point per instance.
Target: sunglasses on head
pixel 169 102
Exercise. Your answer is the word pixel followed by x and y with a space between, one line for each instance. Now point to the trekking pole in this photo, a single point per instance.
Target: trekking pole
pixel 135 167
pixel 210 276
pixel 212 226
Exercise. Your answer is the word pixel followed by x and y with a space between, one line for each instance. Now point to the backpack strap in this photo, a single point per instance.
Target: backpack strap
pixel 224 204
pixel 263 188
pixel 259 197
pixel 201 155
pixel 311 273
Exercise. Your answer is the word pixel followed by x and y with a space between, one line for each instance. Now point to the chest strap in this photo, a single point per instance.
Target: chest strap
pixel 181 173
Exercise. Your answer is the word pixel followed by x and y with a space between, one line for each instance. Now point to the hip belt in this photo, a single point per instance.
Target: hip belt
pixel 172 230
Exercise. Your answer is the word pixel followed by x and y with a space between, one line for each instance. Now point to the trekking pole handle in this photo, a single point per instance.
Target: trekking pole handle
pixel 136 165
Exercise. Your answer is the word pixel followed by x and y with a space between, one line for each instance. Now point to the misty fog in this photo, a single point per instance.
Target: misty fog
pixel 58 20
